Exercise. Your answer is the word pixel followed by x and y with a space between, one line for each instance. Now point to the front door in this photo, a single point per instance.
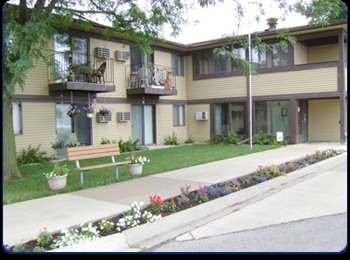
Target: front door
pixel 143 124
pixel 303 121
pixel 80 125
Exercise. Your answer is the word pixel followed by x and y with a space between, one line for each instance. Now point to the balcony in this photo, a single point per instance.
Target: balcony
pixel 150 79
pixel 74 71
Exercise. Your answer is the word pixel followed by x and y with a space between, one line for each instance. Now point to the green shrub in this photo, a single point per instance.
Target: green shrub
pixel 128 146
pixel 171 140
pixel 267 139
pixel 232 138
pixel 214 139
pixel 189 140
pixel 107 141
pixel 32 155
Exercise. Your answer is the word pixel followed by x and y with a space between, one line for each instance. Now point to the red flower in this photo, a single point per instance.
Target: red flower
pixel 172 201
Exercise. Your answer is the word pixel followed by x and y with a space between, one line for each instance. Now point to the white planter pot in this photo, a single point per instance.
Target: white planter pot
pixel 89 115
pixel 56 183
pixel 135 169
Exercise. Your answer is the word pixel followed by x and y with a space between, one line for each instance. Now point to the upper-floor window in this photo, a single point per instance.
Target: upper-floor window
pixel 259 60
pixel 240 55
pixel 279 55
pixel 17 118
pixel 202 64
pixel 69 51
pixel 220 64
pixel 178 64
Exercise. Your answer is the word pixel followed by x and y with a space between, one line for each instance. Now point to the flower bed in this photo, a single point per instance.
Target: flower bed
pixel 158 208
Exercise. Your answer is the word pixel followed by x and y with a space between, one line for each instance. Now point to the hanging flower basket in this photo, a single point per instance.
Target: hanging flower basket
pixel 73 111
pixel 89 110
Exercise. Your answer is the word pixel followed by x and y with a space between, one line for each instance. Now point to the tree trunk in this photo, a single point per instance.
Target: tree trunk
pixel 9 154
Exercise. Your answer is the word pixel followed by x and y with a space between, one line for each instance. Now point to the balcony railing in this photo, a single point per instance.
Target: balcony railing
pixel 78 67
pixel 150 76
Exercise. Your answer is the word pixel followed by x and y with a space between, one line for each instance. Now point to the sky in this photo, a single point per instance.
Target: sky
pixel 216 21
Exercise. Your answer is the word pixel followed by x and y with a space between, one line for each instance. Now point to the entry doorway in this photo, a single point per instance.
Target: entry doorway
pixel 80 125
pixel 303 121
pixel 143 124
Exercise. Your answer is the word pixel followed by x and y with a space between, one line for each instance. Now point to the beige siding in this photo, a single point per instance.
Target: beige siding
pixel 213 88
pixel 307 81
pixel 36 82
pixel 113 130
pixel 162 58
pixel 39 127
pixel 198 129
pixel 165 125
pixel 323 53
pixel 119 66
pixel 324 120
pixel 300 54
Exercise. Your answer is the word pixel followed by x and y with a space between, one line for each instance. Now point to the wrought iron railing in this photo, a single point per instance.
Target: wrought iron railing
pixel 149 75
pixel 73 66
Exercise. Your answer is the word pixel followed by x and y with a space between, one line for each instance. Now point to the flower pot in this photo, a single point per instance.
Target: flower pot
pixel 56 183
pixel 89 115
pixel 135 169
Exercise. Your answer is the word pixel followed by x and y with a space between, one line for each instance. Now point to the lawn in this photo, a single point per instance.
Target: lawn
pixel 34 184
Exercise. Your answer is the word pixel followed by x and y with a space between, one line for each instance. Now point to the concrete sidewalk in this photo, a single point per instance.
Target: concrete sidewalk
pixel 103 202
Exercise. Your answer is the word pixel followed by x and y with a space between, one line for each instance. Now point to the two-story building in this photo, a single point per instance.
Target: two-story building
pixel 300 90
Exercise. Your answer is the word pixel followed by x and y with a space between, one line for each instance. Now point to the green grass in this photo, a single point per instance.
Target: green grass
pixel 34 184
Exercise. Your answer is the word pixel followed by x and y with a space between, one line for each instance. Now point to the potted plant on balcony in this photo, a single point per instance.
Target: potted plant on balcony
pixel 86 72
pixel 57 178
pixel 135 166
pixel 166 83
pixel 89 110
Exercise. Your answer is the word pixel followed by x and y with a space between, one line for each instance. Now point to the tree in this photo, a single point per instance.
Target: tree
pixel 29 25
pixel 321 12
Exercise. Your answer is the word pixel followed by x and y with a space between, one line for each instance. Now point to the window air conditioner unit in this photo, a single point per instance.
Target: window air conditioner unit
pixel 202 115
pixel 121 55
pixel 102 52
pixel 123 116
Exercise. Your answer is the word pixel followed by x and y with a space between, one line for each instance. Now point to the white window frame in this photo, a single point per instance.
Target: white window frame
pixel 179 115
pixel 17 118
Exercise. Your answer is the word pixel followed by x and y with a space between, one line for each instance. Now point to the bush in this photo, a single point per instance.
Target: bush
pixel 189 140
pixel 232 138
pixel 32 155
pixel 214 139
pixel 267 139
pixel 128 146
pixel 107 141
pixel 171 140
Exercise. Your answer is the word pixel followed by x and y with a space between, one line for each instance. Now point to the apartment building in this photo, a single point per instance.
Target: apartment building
pixel 300 90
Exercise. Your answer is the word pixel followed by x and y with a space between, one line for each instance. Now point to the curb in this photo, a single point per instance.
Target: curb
pixel 149 235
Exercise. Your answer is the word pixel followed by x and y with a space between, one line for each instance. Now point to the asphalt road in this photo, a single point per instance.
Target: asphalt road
pixel 322 235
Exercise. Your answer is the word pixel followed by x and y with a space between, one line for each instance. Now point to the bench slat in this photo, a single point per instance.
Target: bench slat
pixel 101 166
pixel 93 151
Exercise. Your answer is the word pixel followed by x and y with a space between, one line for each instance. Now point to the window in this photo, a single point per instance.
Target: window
pixel 178 63
pixel 230 117
pixel 258 60
pixel 279 55
pixel 179 115
pixel 202 64
pixel 17 118
pixel 240 54
pixel 220 64
pixel 272 117
pixel 69 51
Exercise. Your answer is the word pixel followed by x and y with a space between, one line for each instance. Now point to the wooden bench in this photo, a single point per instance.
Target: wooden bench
pixel 94 151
